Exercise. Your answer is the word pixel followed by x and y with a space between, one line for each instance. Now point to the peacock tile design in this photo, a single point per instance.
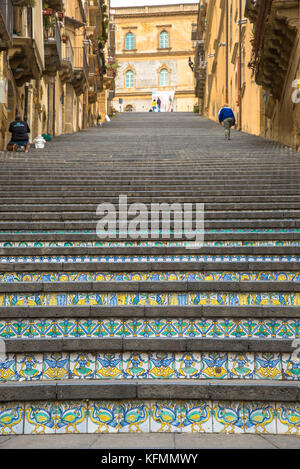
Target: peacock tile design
pixel 133 417
pixel 288 418
pixel 196 417
pixel 11 418
pixel 228 417
pixel 166 416
pixel 39 418
pixel 70 417
pixel 103 417
pixel 260 417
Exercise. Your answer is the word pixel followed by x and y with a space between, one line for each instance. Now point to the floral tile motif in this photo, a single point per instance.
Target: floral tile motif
pixel 56 366
pixel 241 365
pixel 8 367
pixel 134 417
pixel 197 417
pixel 39 418
pixel 108 365
pixel 268 366
pixel 228 417
pixel 188 365
pixel 288 418
pixel 214 365
pixel 70 417
pixel 162 365
pixel 11 418
pixel 259 417
pixel 135 365
pixel 103 417
pixel 82 365
pixel 166 416
pixel 29 366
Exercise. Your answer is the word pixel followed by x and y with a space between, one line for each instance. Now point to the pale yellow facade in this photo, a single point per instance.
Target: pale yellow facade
pixel 151 54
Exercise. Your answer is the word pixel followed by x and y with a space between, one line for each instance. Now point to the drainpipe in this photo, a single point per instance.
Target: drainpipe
pixel 240 66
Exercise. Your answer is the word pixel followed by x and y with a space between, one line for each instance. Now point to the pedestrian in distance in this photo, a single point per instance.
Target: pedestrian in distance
pixel 158 104
pixel 154 105
pixel 19 138
pixel 227 118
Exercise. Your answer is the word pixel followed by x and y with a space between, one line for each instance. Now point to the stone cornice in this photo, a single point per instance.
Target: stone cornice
pixel 158 14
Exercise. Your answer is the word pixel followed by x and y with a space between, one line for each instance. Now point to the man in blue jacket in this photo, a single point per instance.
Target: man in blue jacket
pixel 226 116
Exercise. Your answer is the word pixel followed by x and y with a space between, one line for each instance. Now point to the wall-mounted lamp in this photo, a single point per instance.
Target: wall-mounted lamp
pixel 191 64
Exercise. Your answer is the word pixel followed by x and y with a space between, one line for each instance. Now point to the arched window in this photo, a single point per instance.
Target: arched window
pixel 129 79
pixel 129 41
pixel 164 77
pixel 164 40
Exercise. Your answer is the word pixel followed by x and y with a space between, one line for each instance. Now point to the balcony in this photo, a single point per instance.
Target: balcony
pixel 93 91
pixel 24 58
pixel 67 65
pixel 52 47
pixel 6 24
pixel 81 70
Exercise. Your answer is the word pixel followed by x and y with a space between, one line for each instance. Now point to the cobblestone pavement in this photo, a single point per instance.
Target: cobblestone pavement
pixel 146 336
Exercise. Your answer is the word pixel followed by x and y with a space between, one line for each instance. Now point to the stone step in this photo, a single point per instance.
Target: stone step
pixel 151 311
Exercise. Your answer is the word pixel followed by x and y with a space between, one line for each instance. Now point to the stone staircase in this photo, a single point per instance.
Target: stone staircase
pixel 125 335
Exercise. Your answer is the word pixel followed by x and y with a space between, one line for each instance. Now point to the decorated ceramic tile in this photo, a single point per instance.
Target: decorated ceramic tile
pixel 39 418
pixel 197 417
pixel 82 365
pixel 8 367
pixel 268 366
pixel 108 365
pixel 214 365
pixel 135 365
pixel 228 417
pixel 291 366
pixel 11 418
pixel 162 365
pixel 134 417
pixel 166 416
pixel 70 417
pixel 56 366
pixel 288 418
pixel 241 365
pixel 188 365
pixel 103 417
pixel 259 417
pixel 29 366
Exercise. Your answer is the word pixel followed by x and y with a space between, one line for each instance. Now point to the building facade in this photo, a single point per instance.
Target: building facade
pixel 248 55
pixel 53 64
pixel 153 46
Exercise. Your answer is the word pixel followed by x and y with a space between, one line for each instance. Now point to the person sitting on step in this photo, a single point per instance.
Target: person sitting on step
pixel 19 138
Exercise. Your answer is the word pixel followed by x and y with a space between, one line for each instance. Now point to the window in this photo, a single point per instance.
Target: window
pixel 129 108
pixel 164 40
pixel 164 77
pixel 129 41
pixel 129 79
